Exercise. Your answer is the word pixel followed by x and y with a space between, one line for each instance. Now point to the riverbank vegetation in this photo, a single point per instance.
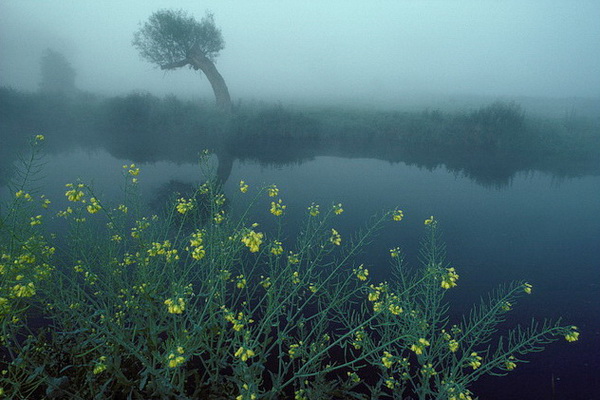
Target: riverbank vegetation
pixel 196 302
pixel 489 143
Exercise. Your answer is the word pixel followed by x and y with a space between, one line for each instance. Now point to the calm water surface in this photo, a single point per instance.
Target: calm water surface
pixel 539 229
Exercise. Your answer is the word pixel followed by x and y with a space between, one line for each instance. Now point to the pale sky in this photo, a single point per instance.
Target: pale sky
pixel 325 50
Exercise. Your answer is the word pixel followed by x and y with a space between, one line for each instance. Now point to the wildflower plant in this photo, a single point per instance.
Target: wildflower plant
pixel 187 305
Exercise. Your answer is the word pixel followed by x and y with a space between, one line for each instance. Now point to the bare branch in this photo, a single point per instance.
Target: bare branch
pixel 177 64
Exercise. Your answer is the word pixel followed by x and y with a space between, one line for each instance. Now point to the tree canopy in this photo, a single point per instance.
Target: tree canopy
pixel 169 37
pixel 57 74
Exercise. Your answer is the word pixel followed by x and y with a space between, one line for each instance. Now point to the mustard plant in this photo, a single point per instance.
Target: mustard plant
pixel 196 302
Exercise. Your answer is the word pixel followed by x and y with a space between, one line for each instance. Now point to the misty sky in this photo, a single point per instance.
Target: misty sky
pixel 325 50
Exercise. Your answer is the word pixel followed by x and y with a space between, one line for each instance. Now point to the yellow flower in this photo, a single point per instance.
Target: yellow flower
pixel 293 258
pixel 276 248
pixel 266 282
pixel 429 220
pixel 175 307
pixel 219 217
pixel 428 370
pixel 449 280
pixel 510 364
pixel 387 360
pixel 353 377
pixel 313 210
pixel 100 366
pixel 295 278
pixel 244 353
pixel 390 382
pixel 94 206
pixel 252 240
pixel 335 238
pixel 23 290
pixel 175 360
pixel 337 209
pixel 241 282
pixel 37 220
pixel 39 138
pixel 420 346
pixel 359 337
pixel 395 309
pixel 272 191
pixel 74 193
pixel 475 360
pixel 572 336
pixel 294 349
pixel 22 194
pixel 198 253
pixel 183 205
pixel 453 345
pixel 45 201
pixel 243 187
pixel 397 215
pixel 277 208
pixel 361 273
pixel 132 169
pixel 527 288
pixel 395 252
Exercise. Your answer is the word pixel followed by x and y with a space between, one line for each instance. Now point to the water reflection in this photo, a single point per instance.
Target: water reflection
pixel 500 225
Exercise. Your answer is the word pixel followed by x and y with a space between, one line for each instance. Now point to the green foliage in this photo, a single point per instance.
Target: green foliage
pixel 169 36
pixel 199 303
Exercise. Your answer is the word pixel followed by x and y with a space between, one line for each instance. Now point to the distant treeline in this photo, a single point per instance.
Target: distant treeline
pixel 145 127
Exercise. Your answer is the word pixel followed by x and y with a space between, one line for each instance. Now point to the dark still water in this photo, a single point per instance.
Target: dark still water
pixel 537 228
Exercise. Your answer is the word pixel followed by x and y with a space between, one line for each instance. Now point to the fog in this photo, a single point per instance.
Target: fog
pixel 379 52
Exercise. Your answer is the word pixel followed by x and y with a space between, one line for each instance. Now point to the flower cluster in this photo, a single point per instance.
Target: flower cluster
pixel 337 209
pixel 94 206
pixel 313 210
pixel 572 336
pixel 176 358
pixel 74 193
pixel 475 360
pixel 449 279
pixel 183 205
pixel 244 354
pixel 335 238
pixel 175 307
pixel 252 240
pixel 419 346
pixel 243 187
pixel 196 243
pixel 361 273
pixel 277 208
pixel 276 248
pixel 397 215
pixel 238 321
pixel 387 360
pixel 272 191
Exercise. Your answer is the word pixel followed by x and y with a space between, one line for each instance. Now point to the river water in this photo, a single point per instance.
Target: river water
pixel 538 228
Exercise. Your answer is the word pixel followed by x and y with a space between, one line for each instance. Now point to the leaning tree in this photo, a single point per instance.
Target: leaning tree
pixel 173 39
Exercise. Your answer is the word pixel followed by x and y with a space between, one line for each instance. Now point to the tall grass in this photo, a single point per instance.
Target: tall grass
pixel 198 303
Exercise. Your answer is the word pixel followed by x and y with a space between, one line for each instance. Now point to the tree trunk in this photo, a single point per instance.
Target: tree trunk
pixel 199 61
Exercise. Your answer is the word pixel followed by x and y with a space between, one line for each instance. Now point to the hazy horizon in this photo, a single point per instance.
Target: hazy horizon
pixel 367 52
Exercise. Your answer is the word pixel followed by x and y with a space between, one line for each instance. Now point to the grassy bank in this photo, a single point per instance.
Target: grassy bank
pixel 500 137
